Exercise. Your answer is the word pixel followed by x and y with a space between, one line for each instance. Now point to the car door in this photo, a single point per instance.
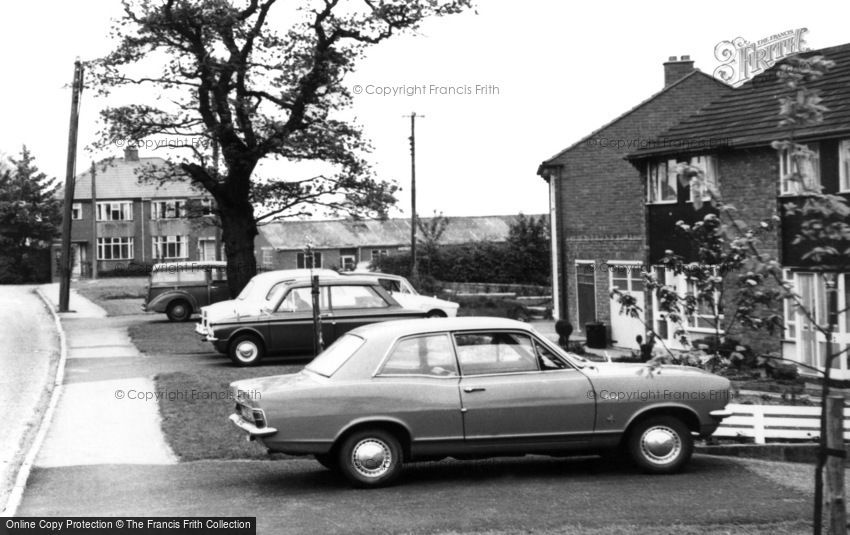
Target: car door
pixel 219 290
pixel 515 390
pixel 418 383
pixel 291 323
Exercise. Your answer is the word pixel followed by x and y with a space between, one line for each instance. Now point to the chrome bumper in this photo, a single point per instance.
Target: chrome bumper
pixel 250 428
pixel 720 414
pixel 201 331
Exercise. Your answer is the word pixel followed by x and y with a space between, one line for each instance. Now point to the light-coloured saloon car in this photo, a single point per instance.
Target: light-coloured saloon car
pixel 400 391
pixel 407 296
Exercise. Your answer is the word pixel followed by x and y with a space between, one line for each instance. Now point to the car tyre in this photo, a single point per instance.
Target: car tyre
pixel 179 310
pixel 371 458
pixel 246 350
pixel 660 444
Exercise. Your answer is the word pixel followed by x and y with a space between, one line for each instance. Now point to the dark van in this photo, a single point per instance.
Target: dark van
pixel 181 288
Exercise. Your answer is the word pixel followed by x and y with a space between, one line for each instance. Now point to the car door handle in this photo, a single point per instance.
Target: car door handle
pixel 471 389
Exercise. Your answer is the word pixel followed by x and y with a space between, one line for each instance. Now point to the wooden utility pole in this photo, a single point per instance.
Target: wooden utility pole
pixel 414 267
pixel 65 261
pixel 93 222
pixel 835 503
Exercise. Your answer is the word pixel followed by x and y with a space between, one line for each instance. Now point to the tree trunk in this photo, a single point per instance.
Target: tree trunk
pixel 238 233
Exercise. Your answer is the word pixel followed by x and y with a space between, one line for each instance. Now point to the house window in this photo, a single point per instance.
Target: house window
pixel 308 260
pixel 206 207
pixel 347 262
pixel 708 164
pixel 844 165
pixel 268 257
pixel 115 211
pixel 76 211
pixel 790 311
pixel 168 209
pixel 170 247
pixel 115 248
pixel 704 317
pixel 661 182
pixel 377 253
pixel 810 172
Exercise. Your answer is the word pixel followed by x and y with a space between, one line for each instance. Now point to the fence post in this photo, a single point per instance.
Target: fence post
pixel 758 424
pixel 835 505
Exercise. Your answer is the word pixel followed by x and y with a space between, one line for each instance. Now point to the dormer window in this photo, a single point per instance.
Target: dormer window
pixel 809 170
pixel 661 182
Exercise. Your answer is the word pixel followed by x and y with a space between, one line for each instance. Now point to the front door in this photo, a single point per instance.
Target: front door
pixel 515 391
pixel 586 293
pixel 627 278
pixel 828 308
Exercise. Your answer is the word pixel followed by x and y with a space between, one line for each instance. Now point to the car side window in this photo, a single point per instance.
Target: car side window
pixel 547 359
pixel 495 352
pixel 390 285
pixel 301 300
pixel 219 274
pixel 349 296
pixel 422 355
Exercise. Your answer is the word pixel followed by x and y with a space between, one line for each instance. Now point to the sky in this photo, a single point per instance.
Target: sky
pixel 546 74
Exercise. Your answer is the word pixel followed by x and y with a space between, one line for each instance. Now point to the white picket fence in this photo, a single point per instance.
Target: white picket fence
pixel 777 422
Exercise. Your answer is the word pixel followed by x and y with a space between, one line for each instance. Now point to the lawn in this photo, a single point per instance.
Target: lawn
pixel 195 420
pixel 118 296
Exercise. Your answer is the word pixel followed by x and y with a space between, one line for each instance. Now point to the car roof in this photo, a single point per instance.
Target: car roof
pixel 186 266
pixel 270 277
pixel 397 328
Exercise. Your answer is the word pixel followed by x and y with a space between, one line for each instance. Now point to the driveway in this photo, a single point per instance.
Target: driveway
pixel 29 350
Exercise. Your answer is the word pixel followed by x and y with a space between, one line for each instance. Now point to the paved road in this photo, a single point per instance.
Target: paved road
pixel 516 495
pixel 29 350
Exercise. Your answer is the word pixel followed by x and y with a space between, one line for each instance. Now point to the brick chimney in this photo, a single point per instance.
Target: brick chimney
pixel 131 154
pixel 677 68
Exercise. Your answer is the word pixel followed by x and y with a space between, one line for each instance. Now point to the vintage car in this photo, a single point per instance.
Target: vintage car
pixel 181 288
pixel 394 392
pixel 274 313
pixel 403 292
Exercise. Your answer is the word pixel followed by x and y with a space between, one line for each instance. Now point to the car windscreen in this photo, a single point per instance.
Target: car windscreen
pixel 332 358
pixel 246 291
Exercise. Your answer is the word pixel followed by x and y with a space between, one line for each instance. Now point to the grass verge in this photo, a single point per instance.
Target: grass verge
pixel 195 411
pixel 119 296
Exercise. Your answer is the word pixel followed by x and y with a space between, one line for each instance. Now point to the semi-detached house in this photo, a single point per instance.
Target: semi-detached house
pixel 748 173
pixel 597 208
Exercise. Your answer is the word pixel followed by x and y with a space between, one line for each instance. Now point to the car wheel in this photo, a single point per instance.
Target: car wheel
pixel 660 444
pixel 179 310
pixel 370 458
pixel 327 460
pixel 246 350
pixel 435 314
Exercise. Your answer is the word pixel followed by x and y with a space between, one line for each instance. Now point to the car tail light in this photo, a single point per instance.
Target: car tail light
pixel 259 417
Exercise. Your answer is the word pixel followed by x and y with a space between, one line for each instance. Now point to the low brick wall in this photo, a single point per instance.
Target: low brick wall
pixel 492 287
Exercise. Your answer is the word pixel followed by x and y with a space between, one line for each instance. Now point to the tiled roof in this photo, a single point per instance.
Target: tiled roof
pixel 749 116
pixel 601 129
pixel 117 179
pixel 345 233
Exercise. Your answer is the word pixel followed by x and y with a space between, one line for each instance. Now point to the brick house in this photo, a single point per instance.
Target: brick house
pixel 747 173
pixel 597 207
pixel 136 224
pixel 345 243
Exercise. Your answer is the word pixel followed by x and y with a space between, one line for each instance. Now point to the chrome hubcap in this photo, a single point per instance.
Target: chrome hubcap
pixel 246 350
pixel 179 311
pixel 371 457
pixel 660 444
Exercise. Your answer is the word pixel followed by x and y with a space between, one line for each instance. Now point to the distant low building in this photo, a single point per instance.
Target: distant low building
pixel 345 243
pixel 137 223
